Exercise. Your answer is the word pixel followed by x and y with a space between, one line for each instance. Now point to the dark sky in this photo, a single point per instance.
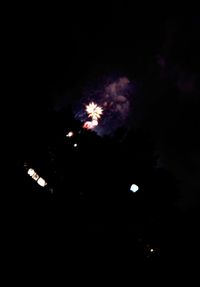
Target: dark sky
pixel 55 48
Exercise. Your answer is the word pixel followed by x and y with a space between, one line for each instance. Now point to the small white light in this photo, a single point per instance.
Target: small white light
pixel 134 188
pixel 151 250
pixel 31 172
pixel 41 182
pixel 70 134
pixel 75 145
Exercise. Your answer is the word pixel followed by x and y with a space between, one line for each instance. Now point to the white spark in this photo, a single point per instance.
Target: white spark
pixel 134 188
pixel 70 134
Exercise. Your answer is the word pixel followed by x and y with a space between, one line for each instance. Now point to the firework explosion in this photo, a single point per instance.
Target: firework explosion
pixel 94 111
pixel 110 99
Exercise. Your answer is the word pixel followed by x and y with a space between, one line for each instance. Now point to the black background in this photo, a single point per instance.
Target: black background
pixel 53 53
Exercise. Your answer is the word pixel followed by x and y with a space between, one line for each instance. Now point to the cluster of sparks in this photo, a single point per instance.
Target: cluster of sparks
pixel 94 112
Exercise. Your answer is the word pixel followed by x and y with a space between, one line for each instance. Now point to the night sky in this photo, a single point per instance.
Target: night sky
pixel 59 61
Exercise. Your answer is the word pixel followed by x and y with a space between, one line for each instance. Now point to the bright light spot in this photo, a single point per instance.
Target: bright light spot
pixel 134 188
pixel 70 134
pixel 151 250
pixel 41 182
pixel 31 172
pixel 75 145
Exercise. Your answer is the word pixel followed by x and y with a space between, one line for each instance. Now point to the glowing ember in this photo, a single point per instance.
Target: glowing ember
pixel 88 125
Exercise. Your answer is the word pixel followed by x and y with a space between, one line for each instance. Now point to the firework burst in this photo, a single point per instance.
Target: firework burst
pixel 94 111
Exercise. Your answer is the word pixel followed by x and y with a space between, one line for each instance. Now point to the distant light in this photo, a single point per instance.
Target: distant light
pixel 41 182
pixel 151 250
pixel 31 172
pixel 134 188
pixel 75 145
pixel 36 177
pixel 70 134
